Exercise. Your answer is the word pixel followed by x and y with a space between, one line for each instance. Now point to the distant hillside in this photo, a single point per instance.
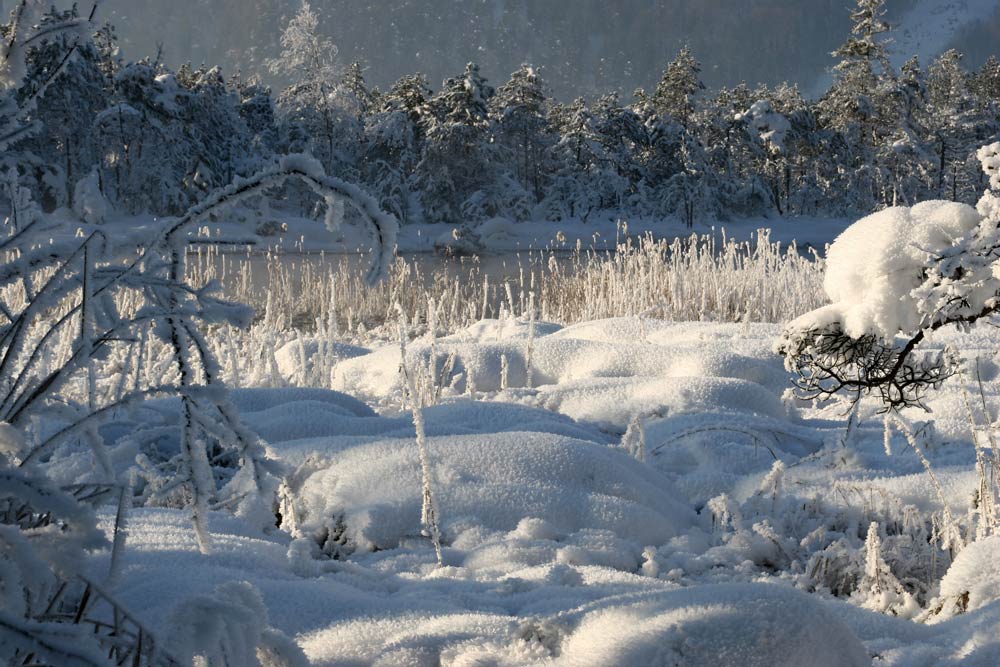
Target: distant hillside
pixel 584 46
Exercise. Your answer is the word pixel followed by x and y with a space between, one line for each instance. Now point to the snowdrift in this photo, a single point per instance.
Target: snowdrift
pixel 368 497
pixel 606 372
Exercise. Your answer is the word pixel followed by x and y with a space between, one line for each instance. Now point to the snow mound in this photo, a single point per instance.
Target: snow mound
pixel 729 625
pixel 368 497
pixel 255 400
pixel 709 454
pixel 289 357
pixel 614 401
pixel 972 581
pixel 605 372
pixel 875 264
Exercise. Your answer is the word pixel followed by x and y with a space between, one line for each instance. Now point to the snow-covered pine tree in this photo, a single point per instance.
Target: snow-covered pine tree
pixel 520 113
pixel 905 153
pixel 143 151
pixel 394 141
pixel 676 91
pixel 692 192
pixel 66 111
pixel 985 83
pixel 623 135
pixel 855 104
pixel 257 109
pixel 362 98
pixel 218 137
pixel 955 127
pixel 458 165
pixel 315 97
pixel 583 180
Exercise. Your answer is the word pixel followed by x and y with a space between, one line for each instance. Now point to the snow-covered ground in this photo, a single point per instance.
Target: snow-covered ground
pixel 650 496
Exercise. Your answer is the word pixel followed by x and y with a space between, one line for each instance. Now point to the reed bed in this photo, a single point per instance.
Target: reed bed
pixel 699 278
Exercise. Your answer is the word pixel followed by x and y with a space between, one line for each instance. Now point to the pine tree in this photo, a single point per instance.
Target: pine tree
pixel 583 179
pixel 624 137
pixel 394 142
pixel 953 124
pixel 143 162
pixel 457 165
pixel 850 103
pixel 315 97
pixel 904 152
pixel 257 109
pixel 855 106
pixel 109 55
pixel 218 137
pixel 678 87
pixel 985 84
pixel 519 109
pixel 66 110
pixel 361 97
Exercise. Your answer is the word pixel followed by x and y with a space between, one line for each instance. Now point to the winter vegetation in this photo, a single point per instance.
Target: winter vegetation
pixel 660 447
pixel 138 137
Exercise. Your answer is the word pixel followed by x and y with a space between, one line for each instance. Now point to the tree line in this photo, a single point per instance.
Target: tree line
pixel 153 140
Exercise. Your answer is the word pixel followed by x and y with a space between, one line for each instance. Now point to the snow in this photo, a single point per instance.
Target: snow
pixel 229 626
pixel 598 371
pixel 709 626
pixel 972 582
pixel 488 483
pixel 89 204
pixel 876 264
pixel 560 545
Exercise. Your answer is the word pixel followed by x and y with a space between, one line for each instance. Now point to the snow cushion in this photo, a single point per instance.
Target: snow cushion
pixel 874 265
pixel 371 494
pixel 605 372
pixel 729 625
pixel 972 581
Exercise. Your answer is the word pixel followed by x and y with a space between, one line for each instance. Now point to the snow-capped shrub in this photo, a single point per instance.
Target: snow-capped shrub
pixel 493 481
pixel 894 277
pixel 44 534
pixel 229 628
pixel 972 581
pixel 89 203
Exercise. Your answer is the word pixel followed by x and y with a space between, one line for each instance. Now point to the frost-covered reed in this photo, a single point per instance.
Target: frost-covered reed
pixel 701 278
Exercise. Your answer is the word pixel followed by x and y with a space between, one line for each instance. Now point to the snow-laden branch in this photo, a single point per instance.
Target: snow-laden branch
pixel 382 226
pixel 895 277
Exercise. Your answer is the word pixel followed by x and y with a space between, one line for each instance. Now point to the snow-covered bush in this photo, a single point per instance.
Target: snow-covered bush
pixel 893 278
pixel 44 534
pixel 229 628
pixel 71 305
pixel 68 306
pixel 88 202
pixel 485 483
pixel 972 582
pixel 745 625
